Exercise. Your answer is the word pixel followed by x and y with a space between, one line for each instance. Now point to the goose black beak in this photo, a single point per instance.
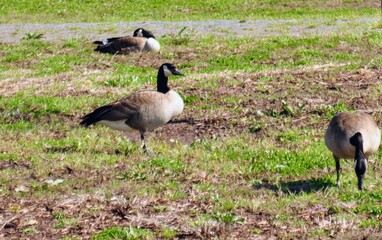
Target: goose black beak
pixel 177 72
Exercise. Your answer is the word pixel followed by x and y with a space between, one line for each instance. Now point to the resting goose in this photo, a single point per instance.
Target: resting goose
pixel 353 135
pixel 142 40
pixel 143 110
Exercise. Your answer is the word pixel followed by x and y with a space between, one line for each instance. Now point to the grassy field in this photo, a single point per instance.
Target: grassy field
pixel 24 11
pixel 245 160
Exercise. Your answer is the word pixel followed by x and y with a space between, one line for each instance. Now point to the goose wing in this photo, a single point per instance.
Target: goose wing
pixel 123 45
pixel 119 110
pixel 106 41
pixel 124 109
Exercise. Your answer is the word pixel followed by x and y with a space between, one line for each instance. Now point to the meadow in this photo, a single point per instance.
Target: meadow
pixel 245 160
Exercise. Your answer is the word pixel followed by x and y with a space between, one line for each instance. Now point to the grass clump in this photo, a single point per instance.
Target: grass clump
pixel 128 233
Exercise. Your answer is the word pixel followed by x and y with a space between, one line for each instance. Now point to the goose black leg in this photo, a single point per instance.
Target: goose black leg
pixel 338 169
pixel 143 143
pixel 144 146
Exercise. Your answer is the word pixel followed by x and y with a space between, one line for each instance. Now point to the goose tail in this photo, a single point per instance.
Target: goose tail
pixel 98 42
pixel 95 116
pixel 106 49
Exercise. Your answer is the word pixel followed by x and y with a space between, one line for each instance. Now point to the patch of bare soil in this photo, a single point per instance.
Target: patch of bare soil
pixel 92 214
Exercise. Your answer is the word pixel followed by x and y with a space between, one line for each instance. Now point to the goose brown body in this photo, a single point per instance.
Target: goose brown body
pixel 123 45
pixel 343 126
pixel 141 111
pixel 142 40
pixel 353 135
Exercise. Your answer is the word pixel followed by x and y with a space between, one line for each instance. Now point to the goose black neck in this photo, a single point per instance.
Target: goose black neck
pixel 359 158
pixel 162 80
pixel 360 165
pixel 357 141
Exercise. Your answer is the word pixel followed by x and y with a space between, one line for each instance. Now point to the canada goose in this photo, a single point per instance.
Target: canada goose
pixel 142 40
pixel 143 110
pixel 352 135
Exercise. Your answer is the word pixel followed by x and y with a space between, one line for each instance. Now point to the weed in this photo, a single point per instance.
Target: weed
pixel 123 233
pixel 29 230
pixel 227 217
pixel 182 38
pixel 32 36
pixel 168 233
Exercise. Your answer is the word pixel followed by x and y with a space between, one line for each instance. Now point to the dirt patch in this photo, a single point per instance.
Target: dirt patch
pixel 11 164
pixel 93 213
pixel 44 217
pixel 11 86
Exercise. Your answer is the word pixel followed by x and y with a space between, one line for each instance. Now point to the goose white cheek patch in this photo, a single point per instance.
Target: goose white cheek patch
pixel 139 33
pixel 166 71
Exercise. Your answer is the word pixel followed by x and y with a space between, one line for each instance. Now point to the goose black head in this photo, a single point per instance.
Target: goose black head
pixel 170 69
pixel 360 163
pixel 140 32
pixel 166 70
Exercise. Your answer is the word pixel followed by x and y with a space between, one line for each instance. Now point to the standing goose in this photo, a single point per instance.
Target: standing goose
pixel 142 40
pixel 352 135
pixel 143 110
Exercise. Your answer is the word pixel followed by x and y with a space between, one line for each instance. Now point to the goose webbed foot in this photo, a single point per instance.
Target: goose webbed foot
pixel 149 153
pixel 145 148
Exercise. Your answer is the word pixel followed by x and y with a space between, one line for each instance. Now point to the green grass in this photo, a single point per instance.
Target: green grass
pixel 254 160
pixel 123 234
pixel 263 54
pixel 174 10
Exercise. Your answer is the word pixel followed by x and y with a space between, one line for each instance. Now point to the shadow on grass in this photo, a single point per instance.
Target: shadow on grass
pixel 295 187
pixel 73 149
pixel 63 149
